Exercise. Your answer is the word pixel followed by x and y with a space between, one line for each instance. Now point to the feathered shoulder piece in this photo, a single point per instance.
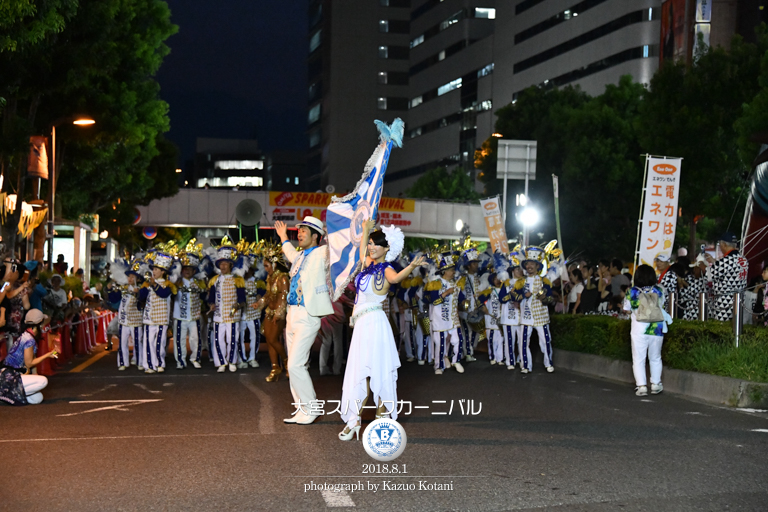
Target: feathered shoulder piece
pixel 213 280
pixel 416 282
pixel 484 293
pixel 546 281
pixel 262 285
pixel 461 283
pixel 520 284
pixel 239 282
pixel 405 283
pixel 433 286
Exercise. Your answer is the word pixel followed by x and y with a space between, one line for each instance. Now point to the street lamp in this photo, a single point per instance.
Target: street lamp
pixel 529 217
pixel 459 225
pixel 77 121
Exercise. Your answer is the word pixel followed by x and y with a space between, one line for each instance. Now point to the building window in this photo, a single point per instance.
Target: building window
pixel 485 105
pixel 296 180
pixel 453 19
pixel 314 41
pixel 383 77
pixel 287 179
pixel 314 138
pixel 487 70
pixel 228 165
pixel 381 103
pixel 441 55
pixel 232 181
pixel 485 12
pixel 450 86
pixel 415 102
pixel 383 26
pixel 417 41
pixel 314 114
pixel 383 52
pixel 645 51
pixel 384 3
pixel 315 90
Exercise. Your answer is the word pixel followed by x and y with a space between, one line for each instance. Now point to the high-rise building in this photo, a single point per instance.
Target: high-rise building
pixel 445 66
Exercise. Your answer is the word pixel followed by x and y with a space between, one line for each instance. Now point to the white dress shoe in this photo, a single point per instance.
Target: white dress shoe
pixel 254 364
pixel 470 358
pixel 179 366
pixel 458 367
pixel 438 372
pixel 222 368
pixel 141 368
pixel 524 370
pixel 421 363
pixel 510 367
pixel 196 364
pixel 295 418
pixel 161 369
pixel 307 419
pixel 149 371
pixel 550 369
pixel 493 361
pixel 121 368
pixel 232 368
pixel 242 365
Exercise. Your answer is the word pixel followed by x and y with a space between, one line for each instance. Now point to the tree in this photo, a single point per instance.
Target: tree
pixel 691 112
pixel 27 22
pixel 440 183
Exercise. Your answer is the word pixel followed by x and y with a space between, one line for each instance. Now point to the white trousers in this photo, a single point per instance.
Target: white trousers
pixel 495 344
pixel 470 339
pixel 300 332
pixel 154 346
pixel 333 338
pixel 545 343
pixel 409 338
pixel 513 334
pixel 440 341
pixel 181 330
pixel 33 384
pixel 224 343
pixel 129 335
pixel 424 347
pixel 254 339
pixel 646 345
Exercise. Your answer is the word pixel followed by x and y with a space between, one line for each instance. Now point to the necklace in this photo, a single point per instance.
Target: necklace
pixel 377 272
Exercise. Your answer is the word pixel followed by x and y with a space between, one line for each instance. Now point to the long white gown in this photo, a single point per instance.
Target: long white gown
pixel 372 352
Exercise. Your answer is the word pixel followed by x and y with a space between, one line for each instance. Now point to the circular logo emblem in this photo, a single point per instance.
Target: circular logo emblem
pixel 384 439
pixel 362 213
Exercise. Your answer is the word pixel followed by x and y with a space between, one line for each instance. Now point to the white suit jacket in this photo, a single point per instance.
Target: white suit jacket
pixel 315 284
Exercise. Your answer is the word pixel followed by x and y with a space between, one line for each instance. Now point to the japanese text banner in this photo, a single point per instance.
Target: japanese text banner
pixel 495 224
pixel 659 220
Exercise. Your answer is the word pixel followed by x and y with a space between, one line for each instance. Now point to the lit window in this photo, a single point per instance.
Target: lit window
pixel 485 12
pixel 232 181
pixel 314 114
pixel 645 51
pixel 417 41
pixel 485 71
pixel 383 52
pixel 383 26
pixel 485 105
pixel 441 55
pixel 454 84
pixel 382 77
pixel 314 138
pixel 314 41
pixel 415 133
pixel 450 21
pixel 238 164
pixel 650 13
pixel 382 103
pixel 287 180
pixel 415 102
pixel 567 14
pixel 296 180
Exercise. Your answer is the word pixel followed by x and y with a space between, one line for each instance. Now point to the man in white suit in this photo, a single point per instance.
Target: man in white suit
pixel 309 299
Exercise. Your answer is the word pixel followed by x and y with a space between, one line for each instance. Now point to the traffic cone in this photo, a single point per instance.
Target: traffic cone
pixel 101 333
pixel 44 367
pixel 81 346
pixel 65 333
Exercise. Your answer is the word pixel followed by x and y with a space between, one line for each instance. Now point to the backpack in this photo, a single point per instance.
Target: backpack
pixel 648 308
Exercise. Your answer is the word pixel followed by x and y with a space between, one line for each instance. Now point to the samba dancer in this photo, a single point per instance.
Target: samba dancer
pixel 373 360
pixel 226 298
pixel 187 310
pixel 471 289
pixel 530 291
pixel 275 300
pixel 444 295
pixel 125 290
pixel 156 296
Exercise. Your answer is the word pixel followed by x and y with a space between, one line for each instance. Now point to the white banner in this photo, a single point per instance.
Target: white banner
pixel 495 224
pixel 659 221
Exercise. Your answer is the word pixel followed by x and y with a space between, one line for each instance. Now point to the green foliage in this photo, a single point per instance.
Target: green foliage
pixel 439 183
pixel 705 347
pixel 27 22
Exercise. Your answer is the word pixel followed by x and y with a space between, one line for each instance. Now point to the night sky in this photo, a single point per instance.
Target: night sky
pixel 237 69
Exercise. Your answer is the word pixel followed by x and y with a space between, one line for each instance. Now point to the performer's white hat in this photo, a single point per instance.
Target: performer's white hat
pixel 312 222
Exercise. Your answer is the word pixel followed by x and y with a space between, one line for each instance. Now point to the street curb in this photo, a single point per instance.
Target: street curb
pixel 698 386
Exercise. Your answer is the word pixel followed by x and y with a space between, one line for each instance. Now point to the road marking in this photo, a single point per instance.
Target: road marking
pixel 694 413
pixel 746 409
pixel 141 376
pixel 145 388
pixel 760 430
pixel 646 400
pixel 337 499
pixel 266 415
pixel 119 407
pixel 100 390
pixel 160 436
pixel 85 364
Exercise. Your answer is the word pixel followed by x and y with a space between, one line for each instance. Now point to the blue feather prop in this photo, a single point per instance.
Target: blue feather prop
pixel 392 133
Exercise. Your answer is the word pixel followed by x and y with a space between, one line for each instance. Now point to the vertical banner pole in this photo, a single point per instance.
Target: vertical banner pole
pixel 527 170
pixel 556 190
pixel 640 218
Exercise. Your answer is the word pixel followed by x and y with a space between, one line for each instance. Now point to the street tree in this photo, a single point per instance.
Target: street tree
pixel 439 183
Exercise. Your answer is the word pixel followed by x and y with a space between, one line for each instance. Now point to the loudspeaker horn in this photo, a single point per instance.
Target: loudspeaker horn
pixel 248 212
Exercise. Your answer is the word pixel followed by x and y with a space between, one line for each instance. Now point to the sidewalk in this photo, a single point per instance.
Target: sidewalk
pixel 697 386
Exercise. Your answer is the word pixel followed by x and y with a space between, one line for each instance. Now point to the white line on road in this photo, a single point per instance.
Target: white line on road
pixel 746 409
pixel 165 376
pixel 121 404
pixel 100 438
pixel 760 430
pixel 337 499
pixel 694 413
pixel 266 416
pixel 100 390
pixel 145 388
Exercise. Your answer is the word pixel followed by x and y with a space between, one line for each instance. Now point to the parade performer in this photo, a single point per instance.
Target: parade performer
pixel 187 313
pixel 309 299
pixel 444 295
pixel 727 276
pixel 530 291
pixel 255 287
pixel 471 258
pixel 509 322
pixel 226 299
pixel 667 276
pixel 276 302
pixel 156 295
pixel 373 360
pixel 490 287
pixel 419 316
pixel 124 289
pixel 696 284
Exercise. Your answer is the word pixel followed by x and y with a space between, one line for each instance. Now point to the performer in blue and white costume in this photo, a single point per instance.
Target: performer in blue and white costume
pixel 125 290
pixel 187 313
pixel 509 322
pixel 444 295
pixel 250 322
pixel 156 295
pixel 489 296
pixel 373 360
pixel 471 259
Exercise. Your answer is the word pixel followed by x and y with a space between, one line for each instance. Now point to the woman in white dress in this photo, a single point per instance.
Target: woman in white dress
pixel 373 360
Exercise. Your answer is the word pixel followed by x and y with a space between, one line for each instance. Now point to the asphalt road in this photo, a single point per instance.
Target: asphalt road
pixel 197 440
